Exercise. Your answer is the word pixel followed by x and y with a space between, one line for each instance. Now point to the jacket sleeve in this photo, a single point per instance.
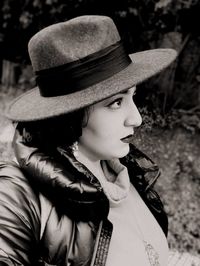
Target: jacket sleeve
pixel 19 218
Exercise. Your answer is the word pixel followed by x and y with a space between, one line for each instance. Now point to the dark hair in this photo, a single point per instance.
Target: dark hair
pixel 50 133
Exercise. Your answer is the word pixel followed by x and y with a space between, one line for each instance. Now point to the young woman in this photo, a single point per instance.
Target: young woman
pixel 81 193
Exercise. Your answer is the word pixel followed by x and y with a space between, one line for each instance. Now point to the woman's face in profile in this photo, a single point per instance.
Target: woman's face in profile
pixel 110 122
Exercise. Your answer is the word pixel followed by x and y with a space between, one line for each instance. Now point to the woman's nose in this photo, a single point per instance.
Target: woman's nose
pixel 133 117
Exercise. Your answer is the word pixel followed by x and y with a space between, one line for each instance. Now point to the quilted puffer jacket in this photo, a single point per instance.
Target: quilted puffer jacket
pixel 53 211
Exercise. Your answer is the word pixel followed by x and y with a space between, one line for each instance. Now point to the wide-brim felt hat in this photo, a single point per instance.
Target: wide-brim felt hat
pixel 80 62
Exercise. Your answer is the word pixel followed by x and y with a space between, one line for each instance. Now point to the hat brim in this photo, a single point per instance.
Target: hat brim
pixel 31 106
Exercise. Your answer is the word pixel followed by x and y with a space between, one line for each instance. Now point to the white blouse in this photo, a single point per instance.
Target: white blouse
pixel 133 223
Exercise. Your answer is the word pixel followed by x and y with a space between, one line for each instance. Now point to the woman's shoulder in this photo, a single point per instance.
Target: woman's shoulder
pixel 16 190
pixel 20 216
pixel 10 172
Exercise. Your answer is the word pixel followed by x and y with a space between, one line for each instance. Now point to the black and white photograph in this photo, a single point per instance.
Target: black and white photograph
pixel 99 133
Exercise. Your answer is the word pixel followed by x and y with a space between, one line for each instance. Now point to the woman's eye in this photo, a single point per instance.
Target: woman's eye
pixel 115 104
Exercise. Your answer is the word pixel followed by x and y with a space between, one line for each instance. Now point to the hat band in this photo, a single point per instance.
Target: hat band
pixel 80 74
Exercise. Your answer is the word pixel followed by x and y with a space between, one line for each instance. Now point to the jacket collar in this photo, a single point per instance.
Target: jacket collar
pixel 116 182
pixel 142 170
pixel 70 185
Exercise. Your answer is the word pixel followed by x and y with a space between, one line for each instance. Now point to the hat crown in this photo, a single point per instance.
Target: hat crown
pixel 72 40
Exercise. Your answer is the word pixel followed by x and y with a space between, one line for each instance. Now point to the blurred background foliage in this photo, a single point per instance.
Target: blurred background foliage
pixel 173 97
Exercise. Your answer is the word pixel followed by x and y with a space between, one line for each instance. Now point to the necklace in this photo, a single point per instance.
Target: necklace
pixel 152 254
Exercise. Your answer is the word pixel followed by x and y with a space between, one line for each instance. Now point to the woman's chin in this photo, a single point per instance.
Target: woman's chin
pixel 124 151
pixel 116 152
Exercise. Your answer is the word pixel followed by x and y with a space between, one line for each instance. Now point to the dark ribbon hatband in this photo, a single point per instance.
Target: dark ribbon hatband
pixel 85 72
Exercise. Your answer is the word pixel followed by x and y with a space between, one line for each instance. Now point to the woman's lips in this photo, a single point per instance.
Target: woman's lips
pixel 127 139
